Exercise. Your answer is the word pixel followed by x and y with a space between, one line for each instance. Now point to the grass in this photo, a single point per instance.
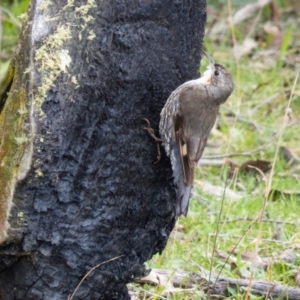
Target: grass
pixel 258 76
pixel 10 27
pixel 268 71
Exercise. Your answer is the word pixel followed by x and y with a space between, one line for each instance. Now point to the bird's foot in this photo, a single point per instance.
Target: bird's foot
pixel 151 131
pixel 156 139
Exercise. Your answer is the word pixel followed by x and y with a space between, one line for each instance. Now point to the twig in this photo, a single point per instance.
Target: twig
pixel 252 239
pixel 264 220
pixel 250 152
pixel 272 289
pixel 89 272
pixel 264 102
pixel 242 118
pixel 210 162
pixel 154 295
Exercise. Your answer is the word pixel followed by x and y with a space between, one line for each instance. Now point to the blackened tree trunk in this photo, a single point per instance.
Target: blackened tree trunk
pixel 76 165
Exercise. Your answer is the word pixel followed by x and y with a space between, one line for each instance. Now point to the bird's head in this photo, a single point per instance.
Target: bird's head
pixel 219 79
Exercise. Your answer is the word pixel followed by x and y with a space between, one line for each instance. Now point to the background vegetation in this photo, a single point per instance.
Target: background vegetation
pixel 253 211
pixel 246 196
pixel 10 25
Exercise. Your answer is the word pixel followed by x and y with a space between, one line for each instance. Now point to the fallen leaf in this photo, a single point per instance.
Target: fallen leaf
pixel 248 11
pixel 134 295
pixel 271 29
pixel 250 166
pixel 165 279
pixel 154 278
pixel 276 34
pixel 246 47
pixel 253 260
pixel 176 235
pixel 179 228
pixel 216 191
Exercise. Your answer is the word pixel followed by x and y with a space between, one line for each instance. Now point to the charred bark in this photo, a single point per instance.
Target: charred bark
pixel 78 172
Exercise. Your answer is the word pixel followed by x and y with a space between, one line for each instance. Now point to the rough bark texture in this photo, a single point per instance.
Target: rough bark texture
pixel 92 193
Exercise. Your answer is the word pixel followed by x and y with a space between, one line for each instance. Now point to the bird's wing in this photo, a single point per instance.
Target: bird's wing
pixel 183 143
pixel 191 147
pixel 166 125
pixel 192 126
pixel 188 150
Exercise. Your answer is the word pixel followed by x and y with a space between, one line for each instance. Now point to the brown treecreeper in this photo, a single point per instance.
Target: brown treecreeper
pixel 186 122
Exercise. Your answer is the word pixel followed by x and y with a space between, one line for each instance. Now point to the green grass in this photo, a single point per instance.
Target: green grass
pixel 257 78
pixel 10 28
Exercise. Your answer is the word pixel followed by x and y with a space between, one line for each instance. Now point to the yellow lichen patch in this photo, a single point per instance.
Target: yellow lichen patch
pixel 14 142
pixel 38 172
pixel 45 4
pixel 48 59
pixel 75 81
pixel 82 12
pixel 27 70
pixel 84 9
pixel 51 58
pixel 22 139
pixel 91 35
pixel 16 136
pixel 23 111
pixel 65 60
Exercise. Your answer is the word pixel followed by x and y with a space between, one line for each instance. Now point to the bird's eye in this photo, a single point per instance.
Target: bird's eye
pixel 217 73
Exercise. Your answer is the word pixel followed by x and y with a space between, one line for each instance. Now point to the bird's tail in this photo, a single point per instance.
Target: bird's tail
pixel 183 198
pixel 183 190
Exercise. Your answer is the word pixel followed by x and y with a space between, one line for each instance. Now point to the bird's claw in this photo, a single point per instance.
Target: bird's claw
pixel 151 131
pixel 156 139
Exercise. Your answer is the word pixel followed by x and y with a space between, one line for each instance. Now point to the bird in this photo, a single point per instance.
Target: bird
pixel 186 121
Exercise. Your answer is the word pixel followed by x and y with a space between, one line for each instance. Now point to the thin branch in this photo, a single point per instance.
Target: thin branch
pixel 264 220
pixel 242 118
pixel 89 272
pixel 252 239
pixel 220 289
pixel 264 102
pixel 250 152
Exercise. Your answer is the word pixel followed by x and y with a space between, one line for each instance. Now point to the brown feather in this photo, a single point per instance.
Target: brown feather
pixel 186 121
pixel 192 134
pixel 181 144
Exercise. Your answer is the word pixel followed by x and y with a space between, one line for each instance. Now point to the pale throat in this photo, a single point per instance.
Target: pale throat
pixel 207 75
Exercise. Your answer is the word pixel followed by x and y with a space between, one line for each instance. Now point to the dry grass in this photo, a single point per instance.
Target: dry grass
pixel 260 215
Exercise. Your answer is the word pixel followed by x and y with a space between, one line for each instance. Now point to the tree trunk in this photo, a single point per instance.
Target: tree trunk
pixel 76 165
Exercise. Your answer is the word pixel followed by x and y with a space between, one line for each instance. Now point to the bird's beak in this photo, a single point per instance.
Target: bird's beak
pixel 211 61
pixel 211 64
